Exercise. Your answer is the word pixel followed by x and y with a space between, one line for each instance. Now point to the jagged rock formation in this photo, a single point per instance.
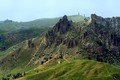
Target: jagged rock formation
pixel 59 30
pixel 100 38
pixel 63 25
pixel 106 38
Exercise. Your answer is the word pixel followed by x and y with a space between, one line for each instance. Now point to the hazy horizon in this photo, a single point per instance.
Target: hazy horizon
pixel 28 10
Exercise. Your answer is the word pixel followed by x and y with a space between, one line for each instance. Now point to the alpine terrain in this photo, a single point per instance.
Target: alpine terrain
pixel 69 48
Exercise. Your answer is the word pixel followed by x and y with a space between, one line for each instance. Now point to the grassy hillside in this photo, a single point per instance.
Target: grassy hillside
pixel 39 23
pixel 74 70
pixel 18 53
pixel 8 39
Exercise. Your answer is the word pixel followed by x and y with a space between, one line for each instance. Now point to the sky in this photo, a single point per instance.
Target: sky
pixel 28 10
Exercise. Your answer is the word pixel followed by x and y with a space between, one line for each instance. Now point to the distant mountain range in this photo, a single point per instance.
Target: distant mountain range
pixel 9 25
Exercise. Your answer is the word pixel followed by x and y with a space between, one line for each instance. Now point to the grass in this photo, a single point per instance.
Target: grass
pixel 75 70
pixel 9 39
pixel 3 54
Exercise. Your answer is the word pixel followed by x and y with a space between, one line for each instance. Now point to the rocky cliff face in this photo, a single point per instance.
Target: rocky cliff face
pixel 56 35
pixel 63 25
pixel 100 38
pixel 106 40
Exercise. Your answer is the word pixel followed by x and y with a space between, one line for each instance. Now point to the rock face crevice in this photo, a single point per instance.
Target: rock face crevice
pixel 56 35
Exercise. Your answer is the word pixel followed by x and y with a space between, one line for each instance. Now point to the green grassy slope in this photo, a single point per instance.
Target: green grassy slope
pixel 39 23
pixel 18 56
pixel 9 39
pixel 75 70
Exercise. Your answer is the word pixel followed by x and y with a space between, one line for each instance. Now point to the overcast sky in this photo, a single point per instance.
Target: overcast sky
pixel 27 10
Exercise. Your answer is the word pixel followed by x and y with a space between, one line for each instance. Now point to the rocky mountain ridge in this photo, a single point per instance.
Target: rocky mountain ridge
pixel 100 38
pixel 96 38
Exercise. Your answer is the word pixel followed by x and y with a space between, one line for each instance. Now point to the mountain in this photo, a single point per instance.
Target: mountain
pixel 87 50
pixel 8 39
pixel 98 38
pixel 12 32
pixel 9 25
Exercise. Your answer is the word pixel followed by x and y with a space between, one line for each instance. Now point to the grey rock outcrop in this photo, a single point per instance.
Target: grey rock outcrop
pixel 106 38
pixel 100 38
pixel 55 35
pixel 63 25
